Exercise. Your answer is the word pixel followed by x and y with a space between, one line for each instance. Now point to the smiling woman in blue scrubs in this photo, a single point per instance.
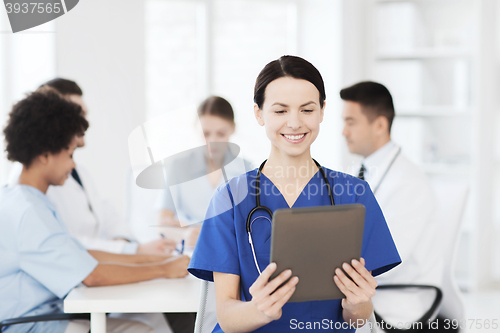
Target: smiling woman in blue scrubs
pixel 289 100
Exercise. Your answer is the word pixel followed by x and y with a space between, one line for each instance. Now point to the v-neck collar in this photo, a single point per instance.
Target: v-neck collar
pixel 294 205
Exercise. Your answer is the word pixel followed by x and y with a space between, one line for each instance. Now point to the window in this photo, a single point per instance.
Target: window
pixel 173 52
pixel 197 48
pixel 27 59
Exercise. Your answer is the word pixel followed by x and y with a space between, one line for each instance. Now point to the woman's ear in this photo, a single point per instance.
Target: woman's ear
pixel 258 115
pixel 322 112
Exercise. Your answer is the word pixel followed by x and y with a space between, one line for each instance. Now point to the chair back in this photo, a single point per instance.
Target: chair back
pixel 451 197
pixel 206 318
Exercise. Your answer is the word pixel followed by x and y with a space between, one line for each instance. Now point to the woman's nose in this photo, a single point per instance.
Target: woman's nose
pixel 294 121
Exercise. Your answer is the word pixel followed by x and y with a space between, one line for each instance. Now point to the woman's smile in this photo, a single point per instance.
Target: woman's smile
pixel 294 138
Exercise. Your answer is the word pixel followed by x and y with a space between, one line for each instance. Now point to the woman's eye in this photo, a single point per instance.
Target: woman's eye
pixel 308 111
pixel 280 111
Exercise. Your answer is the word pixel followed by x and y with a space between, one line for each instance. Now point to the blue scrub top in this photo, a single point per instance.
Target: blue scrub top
pixel 223 242
pixel 41 262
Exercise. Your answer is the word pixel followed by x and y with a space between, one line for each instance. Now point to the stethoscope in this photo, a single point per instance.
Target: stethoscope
pixel 387 170
pixel 259 206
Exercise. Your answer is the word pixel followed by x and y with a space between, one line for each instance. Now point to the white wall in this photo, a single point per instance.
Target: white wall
pixel 353 50
pixel 320 42
pixel 106 56
pixel 100 45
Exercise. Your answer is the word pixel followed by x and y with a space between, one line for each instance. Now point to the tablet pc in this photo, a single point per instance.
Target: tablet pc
pixel 313 242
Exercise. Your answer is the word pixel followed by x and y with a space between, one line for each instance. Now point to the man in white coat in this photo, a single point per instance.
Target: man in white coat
pixel 405 195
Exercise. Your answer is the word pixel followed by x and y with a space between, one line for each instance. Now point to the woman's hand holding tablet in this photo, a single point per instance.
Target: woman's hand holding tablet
pixel 359 287
pixel 268 299
pixel 267 296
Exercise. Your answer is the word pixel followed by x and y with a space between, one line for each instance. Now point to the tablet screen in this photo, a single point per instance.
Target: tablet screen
pixel 313 242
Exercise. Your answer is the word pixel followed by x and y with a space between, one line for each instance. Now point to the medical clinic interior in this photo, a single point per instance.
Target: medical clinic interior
pixel 146 71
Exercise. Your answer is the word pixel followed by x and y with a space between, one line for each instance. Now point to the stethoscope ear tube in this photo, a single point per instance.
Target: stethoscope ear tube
pixel 253 252
pixel 257 200
pixel 249 222
pixel 387 170
pixel 327 183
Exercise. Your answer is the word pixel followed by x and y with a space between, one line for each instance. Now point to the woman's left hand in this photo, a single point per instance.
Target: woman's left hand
pixel 360 290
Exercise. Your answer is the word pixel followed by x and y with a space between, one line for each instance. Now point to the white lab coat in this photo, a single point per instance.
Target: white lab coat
pixel 407 200
pixel 95 230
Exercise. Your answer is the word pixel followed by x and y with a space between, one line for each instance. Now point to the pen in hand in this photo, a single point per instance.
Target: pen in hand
pixel 182 247
pixel 182 244
pixel 181 251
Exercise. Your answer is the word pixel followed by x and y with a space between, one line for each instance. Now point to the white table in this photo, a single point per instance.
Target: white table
pixel 161 295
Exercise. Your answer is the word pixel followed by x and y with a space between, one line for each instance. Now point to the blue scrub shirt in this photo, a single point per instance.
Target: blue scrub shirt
pixel 41 262
pixel 223 242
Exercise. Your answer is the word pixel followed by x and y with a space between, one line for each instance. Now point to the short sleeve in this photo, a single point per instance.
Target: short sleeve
pixel 379 249
pixel 49 254
pixel 216 249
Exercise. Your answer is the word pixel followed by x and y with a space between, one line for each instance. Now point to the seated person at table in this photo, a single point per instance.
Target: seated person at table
pixel 89 217
pixel 41 262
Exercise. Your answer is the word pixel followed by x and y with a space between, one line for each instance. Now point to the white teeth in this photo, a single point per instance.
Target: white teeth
pixel 294 137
